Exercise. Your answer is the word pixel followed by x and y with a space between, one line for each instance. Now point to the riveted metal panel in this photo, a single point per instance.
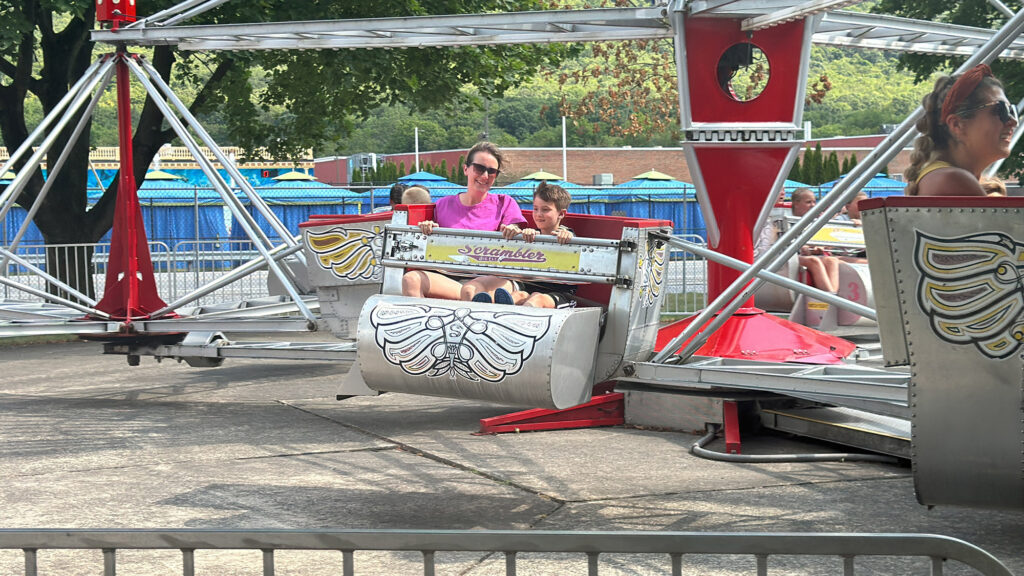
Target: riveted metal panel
pixel 540 358
pixel 958 275
pixel 881 255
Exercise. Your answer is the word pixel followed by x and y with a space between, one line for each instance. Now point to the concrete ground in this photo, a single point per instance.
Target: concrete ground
pixel 88 442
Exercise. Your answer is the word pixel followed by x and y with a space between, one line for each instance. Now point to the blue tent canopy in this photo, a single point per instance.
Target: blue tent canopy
pixel 189 177
pixel 879 186
pixel 12 222
pixel 656 195
pixel 790 185
pixel 436 185
pixel 173 211
pixel 421 177
pixel 522 191
pixel 294 201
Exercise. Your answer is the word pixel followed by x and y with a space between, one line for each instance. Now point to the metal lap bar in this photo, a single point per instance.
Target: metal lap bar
pixel 541 239
pixel 761 546
pixel 498 271
pixel 582 260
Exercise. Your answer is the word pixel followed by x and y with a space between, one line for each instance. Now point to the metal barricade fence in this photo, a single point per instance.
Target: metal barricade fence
pixel 672 546
pixel 77 261
pixel 200 262
pixel 176 271
pixel 686 281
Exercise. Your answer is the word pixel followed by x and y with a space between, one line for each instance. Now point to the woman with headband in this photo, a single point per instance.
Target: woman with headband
pixel 967 125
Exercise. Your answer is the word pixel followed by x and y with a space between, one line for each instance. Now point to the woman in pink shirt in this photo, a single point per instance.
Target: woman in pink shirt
pixel 474 209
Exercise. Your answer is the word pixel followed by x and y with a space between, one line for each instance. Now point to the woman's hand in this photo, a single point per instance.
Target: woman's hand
pixel 529 234
pixel 510 231
pixel 427 226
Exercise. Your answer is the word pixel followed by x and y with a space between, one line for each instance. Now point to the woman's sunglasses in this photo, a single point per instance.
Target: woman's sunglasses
pixel 1003 109
pixel 481 169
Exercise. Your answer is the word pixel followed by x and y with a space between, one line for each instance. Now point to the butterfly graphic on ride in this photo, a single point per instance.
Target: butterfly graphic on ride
pixel 971 288
pixel 651 272
pixel 436 341
pixel 350 253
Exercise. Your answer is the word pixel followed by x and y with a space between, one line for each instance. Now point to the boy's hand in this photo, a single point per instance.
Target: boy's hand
pixel 563 234
pixel 529 234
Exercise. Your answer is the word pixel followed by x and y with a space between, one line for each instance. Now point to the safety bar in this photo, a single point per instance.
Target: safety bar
pixel 540 239
pixel 563 277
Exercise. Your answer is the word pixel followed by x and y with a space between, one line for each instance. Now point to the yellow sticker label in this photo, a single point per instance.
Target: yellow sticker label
pixel 817 306
pixel 513 256
pixel 838 235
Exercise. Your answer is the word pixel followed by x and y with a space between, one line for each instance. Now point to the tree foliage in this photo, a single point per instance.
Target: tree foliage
pixel 283 101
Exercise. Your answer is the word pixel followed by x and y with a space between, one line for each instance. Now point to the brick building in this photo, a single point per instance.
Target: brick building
pixel 583 164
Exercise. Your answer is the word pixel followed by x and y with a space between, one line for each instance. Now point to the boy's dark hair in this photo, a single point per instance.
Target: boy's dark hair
pixel 396 193
pixel 554 194
pixel 485 146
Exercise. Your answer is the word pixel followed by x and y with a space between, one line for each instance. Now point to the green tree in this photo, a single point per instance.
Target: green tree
pixel 813 171
pixel 795 173
pixel 831 171
pixel 301 99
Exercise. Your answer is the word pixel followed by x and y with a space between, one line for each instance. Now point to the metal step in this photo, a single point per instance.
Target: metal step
pixel 846 426
pixel 874 390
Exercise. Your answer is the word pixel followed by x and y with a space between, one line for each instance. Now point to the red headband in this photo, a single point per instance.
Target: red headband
pixel 962 88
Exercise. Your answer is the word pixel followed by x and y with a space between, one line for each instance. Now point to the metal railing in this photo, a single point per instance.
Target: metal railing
pixel 686 285
pixel 672 546
pixel 177 270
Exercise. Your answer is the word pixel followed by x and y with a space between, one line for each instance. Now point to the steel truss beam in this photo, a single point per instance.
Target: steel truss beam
pixel 860 30
pixel 409 32
pixel 837 28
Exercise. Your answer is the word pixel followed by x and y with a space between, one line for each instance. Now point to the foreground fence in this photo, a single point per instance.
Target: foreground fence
pixel 184 266
pixel 586 548
pixel 178 269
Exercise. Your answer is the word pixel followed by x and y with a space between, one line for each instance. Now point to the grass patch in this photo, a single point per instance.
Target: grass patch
pixel 683 303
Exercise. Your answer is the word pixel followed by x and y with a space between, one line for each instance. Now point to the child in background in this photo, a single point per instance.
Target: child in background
pixel 550 203
pixel 416 195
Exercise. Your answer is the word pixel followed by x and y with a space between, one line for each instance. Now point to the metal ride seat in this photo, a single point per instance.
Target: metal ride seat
pixel 854 281
pixel 540 358
pixel 948 274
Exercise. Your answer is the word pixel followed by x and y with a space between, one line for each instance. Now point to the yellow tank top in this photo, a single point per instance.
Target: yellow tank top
pixel 931 168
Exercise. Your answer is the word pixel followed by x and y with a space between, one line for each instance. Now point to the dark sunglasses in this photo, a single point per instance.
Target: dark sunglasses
pixel 484 169
pixel 1003 109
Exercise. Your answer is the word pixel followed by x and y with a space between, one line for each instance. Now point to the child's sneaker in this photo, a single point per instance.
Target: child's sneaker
pixel 501 296
pixel 482 297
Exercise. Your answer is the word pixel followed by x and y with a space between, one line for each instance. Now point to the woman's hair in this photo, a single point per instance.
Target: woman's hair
pixel 553 193
pixel 935 137
pixel 485 146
